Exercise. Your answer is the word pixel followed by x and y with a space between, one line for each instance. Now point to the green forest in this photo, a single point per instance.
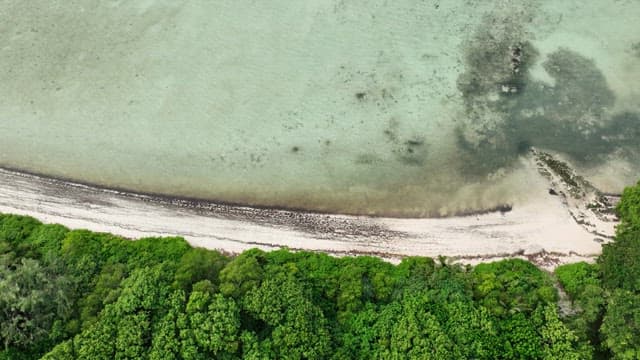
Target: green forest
pixel 76 294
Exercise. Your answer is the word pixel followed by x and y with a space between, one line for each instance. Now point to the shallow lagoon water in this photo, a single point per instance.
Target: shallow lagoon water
pixel 390 108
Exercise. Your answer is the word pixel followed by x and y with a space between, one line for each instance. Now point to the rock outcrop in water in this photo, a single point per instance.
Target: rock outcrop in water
pixel 589 207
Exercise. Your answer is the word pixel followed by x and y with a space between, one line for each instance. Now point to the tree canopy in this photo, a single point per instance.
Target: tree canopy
pixel 84 295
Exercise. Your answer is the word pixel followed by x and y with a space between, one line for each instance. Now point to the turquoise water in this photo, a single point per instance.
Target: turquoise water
pixel 373 107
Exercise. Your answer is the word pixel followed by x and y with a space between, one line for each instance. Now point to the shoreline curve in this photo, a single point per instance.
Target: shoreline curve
pixel 544 232
pixel 195 202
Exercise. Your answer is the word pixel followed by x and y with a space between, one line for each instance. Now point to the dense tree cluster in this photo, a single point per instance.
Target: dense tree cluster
pixel 83 295
pixel 606 295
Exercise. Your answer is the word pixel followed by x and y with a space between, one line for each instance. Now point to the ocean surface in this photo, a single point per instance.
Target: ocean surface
pixel 399 108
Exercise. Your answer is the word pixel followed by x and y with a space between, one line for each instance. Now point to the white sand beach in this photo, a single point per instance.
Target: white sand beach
pixel 543 229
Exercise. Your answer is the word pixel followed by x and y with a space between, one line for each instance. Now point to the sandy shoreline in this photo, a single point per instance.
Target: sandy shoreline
pixel 544 231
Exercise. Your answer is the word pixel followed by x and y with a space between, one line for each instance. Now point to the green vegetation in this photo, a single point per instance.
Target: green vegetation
pixel 83 295
pixel 606 295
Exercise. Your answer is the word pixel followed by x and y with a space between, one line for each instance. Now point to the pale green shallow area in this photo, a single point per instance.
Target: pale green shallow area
pixel 342 106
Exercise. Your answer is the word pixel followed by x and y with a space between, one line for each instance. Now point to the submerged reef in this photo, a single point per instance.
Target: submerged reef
pixel 507 110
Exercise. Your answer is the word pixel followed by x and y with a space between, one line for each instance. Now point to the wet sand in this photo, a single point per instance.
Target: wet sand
pixel 543 229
